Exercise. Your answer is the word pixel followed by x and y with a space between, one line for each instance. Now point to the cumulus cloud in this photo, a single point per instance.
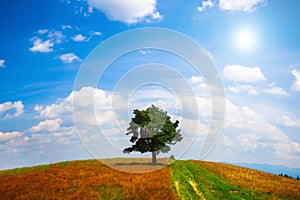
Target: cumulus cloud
pixel 11 109
pixel 204 5
pixel 56 36
pixel 254 132
pixel 78 38
pixel 241 73
pixel 241 5
pixel 47 125
pixel 250 130
pixel 69 58
pixel 275 90
pixel 45 40
pixel 199 81
pixel 2 61
pixel 9 135
pixel 128 11
pixel 248 142
pixel 243 88
pixel 64 109
pixel 251 90
pixel 287 121
pixel 46 145
pixel 296 83
pixel 41 46
pixel 242 117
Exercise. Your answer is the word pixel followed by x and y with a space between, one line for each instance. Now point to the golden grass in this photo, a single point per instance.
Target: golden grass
pixel 84 180
pixel 258 181
pixel 136 165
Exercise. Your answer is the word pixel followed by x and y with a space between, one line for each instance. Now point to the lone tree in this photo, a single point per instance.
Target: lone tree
pixel 152 131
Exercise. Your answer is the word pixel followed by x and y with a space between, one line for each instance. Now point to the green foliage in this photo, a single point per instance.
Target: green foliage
pixel 172 157
pixel 152 131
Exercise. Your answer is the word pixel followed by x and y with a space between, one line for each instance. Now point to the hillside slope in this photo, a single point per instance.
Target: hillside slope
pixel 262 184
pixel 90 179
pixel 87 179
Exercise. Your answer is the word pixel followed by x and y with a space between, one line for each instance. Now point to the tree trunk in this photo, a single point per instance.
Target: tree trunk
pixel 153 157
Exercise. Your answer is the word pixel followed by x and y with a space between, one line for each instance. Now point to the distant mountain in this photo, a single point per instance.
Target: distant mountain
pixel 278 169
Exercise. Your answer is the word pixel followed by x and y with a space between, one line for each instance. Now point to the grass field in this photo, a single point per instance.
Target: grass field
pixel 195 182
pixel 90 179
pixel 84 180
pixel 263 184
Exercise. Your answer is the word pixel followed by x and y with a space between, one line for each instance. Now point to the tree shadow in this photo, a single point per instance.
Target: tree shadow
pixel 138 163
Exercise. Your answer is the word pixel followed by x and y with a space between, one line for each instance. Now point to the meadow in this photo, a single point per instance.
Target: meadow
pixel 263 184
pixel 88 179
pixel 91 179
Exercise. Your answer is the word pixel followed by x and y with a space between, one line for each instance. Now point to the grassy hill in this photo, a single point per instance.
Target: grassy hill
pixel 90 179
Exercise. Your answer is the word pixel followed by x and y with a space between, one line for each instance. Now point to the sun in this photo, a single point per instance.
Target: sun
pixel 245 39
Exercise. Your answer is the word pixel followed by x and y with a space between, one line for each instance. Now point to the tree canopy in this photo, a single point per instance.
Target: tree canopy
pixel 152 131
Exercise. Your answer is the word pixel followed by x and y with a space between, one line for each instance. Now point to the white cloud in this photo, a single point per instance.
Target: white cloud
pixel 241 73
pixel 251 90
pixel 69 58
pixel 2 61
pixel 243 88
pixel 128 11
pixel 255 133
pixel 242 117
pixel 66 27
pixel 6 107
pixel 287 121
pixel 78 38
pixel 56 36
pixel 64 108
pixel 275 90
pixel 199 81
pixel 42 31
pixel 47 126
pixel 227 141
pixel 287 150
pixel 241 5
pixel 205 4
pixel 45 40
pixel 38 108
pixel 296 83
pixel 248 142
pixel 156 15
pixel 196 79
pixel 96 33
pixel 41 46
pixel 9 135
pixel 245 129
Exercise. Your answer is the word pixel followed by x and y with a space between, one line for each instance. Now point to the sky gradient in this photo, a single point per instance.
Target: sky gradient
pixel 254 44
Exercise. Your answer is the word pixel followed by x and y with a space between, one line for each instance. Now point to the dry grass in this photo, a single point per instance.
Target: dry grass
pixel 136 165
pixel 91 179
pixel 260 182
pixel 84 180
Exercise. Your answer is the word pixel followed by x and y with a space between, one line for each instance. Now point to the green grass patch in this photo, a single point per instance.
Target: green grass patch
pixel 24 170
pixel 192 181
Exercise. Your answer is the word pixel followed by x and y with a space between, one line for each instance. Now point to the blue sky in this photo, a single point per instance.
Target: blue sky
pixel 253 43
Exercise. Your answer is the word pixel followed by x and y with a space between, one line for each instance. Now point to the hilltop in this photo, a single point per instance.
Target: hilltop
pixel 90 179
